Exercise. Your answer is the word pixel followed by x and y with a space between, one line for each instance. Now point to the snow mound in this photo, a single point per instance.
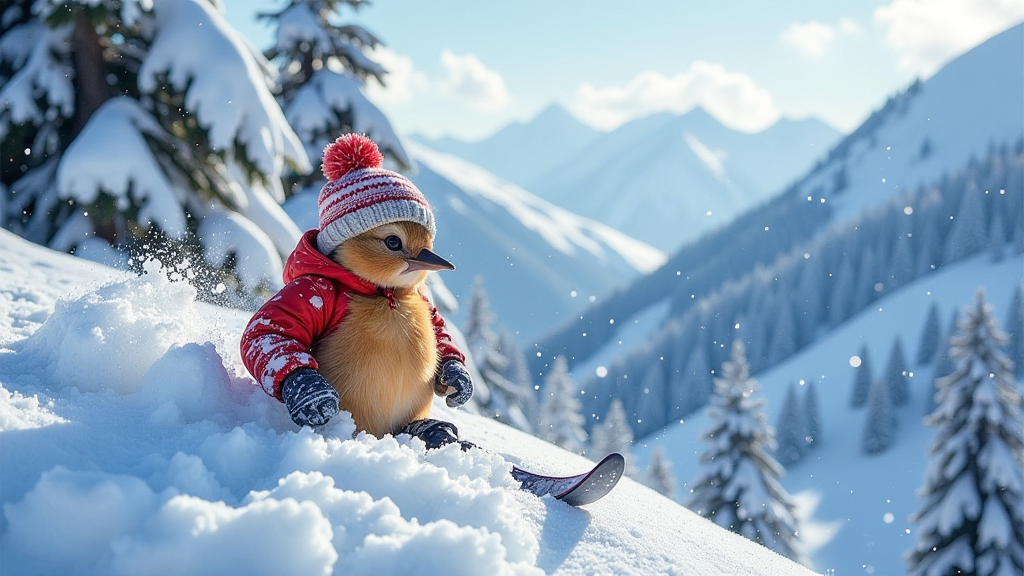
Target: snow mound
pixel 133 443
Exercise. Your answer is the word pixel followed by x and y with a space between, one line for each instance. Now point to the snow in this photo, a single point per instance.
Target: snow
pixel 970 105
pixel 668 179
pixel 118 129
pixel 229 93
pixel 134 443
pixel 29 48
pixel 854 509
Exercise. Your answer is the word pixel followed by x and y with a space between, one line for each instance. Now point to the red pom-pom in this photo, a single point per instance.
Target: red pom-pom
pixel 350 152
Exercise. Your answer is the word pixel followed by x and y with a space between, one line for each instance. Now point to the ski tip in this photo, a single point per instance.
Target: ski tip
pixel 598 483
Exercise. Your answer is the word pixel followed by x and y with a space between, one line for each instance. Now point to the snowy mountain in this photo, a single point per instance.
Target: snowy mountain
pixel 855 507
pixel 522 151
pixel 667 179
pixel 968 108
pixel 133 442
pixel 970 114
pixel 540 264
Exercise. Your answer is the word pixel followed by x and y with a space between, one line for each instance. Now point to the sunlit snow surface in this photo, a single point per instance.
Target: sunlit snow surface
pixel 132 442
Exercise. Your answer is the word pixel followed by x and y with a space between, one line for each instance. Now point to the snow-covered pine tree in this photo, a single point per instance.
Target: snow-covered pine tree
pixel 504 399
pixel 862 379
pixel 697 383
pixel 879 431
pixel 323 69
pixel 968 235
pixel 738 487
pixel 1015 332
pixel 812 414
pixel 901 265
pixel 517 374
pixel 841 301
pixel 121 131
pixel 784 336
pixel 895 375
pixel 792 429
pixel 659 474
pixel 560 421
pixel 930 334
pixel 997 237
pixel 972 518
pixel 614 434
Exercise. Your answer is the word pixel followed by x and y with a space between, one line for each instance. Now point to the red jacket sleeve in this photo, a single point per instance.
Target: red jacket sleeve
pixel 277 340
pixel 446 349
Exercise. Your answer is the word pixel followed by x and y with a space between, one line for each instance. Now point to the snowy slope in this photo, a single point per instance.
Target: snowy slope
pixel 960 113
pixel 133 443
pixel 540 264
pixel 523 151
pixel 858 505
pixel 667 179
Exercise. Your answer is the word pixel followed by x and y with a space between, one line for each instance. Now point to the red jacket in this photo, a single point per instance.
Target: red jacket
pixel 311 305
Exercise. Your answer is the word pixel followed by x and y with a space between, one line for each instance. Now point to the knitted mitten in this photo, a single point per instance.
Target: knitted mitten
pixel 453 383
pixel 310 399
pixel 435 433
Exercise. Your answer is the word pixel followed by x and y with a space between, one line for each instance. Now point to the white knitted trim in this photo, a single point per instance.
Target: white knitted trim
pixel 368 218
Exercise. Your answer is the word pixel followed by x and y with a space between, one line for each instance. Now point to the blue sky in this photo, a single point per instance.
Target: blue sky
pixel 467 67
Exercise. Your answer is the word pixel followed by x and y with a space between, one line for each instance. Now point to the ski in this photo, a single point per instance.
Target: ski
pixel 578 490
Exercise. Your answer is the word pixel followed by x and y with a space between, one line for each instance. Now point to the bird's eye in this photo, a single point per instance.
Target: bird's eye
pixel 394 243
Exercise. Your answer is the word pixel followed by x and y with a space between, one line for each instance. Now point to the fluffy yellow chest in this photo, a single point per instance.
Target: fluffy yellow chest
pixel 382 361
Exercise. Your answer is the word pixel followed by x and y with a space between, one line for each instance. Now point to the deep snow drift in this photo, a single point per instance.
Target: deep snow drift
pixel 132 442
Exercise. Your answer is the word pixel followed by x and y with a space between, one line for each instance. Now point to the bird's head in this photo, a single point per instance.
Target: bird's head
pixel 395 255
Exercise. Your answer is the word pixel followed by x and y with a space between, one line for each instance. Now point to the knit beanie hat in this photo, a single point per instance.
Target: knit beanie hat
pixel 361 195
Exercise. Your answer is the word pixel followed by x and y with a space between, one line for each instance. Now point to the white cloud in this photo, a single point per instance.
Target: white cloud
pixel 812 38
pixel 731 97
pixel 927 33
pixel 402 79
pixel 466 79
pixel 470 80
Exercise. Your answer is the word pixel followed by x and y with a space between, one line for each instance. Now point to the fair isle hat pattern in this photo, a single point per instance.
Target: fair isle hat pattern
pixel 361 195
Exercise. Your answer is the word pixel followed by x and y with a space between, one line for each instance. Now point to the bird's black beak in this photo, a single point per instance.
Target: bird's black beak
pixel 427 260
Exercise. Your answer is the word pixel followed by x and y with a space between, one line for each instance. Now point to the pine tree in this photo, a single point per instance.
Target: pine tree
pixel 792 429
pixel 879 431
pixel 517 374
pixel 929 341
pixel 901 266
pixel 613 434
pixel 650 407
pixel 972 518
pixel 997 238
pixel 137 140
pixel 501 399
pixel 862 380
pixel 738 488
pixel 841 301
pixel 1015 332
pixel 560 421
pixel 784 337
pixel 895 375
pixel 698 382
pixel 659 474
pixel 323 69
pixel 812 414
pixel 968 235
pixel 944 364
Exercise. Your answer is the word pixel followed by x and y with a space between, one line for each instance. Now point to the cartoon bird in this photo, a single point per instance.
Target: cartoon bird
pixel 352 329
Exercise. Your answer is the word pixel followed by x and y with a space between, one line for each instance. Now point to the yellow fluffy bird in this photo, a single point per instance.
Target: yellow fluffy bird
pixel 352 329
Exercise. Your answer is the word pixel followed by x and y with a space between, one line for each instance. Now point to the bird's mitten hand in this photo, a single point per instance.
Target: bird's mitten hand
pixel 310 399
pixel 454 384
